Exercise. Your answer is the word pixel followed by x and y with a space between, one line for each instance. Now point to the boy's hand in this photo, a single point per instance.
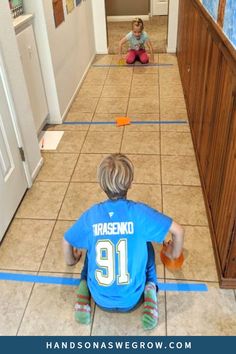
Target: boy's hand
pixel 168 258
pixel 76 254
pixel 71 254
pixel 168 249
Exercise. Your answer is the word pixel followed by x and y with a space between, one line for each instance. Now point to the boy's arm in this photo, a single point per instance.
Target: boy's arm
pixel 71 254
pixel 121 43
pixel 176 246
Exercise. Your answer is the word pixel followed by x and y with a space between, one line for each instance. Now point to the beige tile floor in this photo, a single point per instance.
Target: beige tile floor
pixel 166 177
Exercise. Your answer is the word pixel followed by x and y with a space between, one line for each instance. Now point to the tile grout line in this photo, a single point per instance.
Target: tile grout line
pixel 129 153
pixel 96 182
pixel 89 130
pixel 92 322
pixel 161 182
pixel 166 317
pixel 46 247
pixel 100 96
pixel 187 225
pixel 63 199
pixel 25 309
pixel 127 109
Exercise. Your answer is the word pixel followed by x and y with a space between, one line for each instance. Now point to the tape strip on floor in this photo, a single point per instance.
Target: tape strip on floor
pixel 42 279
pixel 132 122
pixel 128 65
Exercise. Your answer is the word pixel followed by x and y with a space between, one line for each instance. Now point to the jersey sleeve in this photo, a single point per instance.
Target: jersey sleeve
pixel 155 225
pixel 77 235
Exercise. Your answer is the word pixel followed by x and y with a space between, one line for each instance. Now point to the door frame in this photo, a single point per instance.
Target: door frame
pixel 172 31
pixel 14 120
pixel 99 15
pixel 173 13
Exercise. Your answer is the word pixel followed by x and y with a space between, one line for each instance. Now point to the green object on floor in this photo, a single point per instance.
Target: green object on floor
pixel 82 306
pixel 150 310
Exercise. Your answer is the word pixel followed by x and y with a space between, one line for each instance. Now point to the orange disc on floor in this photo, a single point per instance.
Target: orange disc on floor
pixel 172 264
pixel 120 121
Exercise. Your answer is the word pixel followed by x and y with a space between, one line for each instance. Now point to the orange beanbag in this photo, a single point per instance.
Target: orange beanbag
pixel 172 264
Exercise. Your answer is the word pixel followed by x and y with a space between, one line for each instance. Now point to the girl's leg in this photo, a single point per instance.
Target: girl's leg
pixel 131 56
pixel 150 310
pixel 82 306
pixel 143 57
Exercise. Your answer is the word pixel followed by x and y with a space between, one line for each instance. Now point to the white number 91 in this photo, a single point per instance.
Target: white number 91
pixel 105 258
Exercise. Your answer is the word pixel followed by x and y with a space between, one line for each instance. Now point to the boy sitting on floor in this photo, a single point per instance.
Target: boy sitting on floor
pixel 119 268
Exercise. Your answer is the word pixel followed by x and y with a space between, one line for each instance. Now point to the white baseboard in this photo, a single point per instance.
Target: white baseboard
pixel 78 87
pixel 43 124
pixel 126 18
pixel 54 121
pixel 37 169
pixel 103 52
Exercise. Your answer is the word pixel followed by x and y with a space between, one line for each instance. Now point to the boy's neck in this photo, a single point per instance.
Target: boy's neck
pixel 118 198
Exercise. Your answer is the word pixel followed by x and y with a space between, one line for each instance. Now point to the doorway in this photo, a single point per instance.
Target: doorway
pixel 155 24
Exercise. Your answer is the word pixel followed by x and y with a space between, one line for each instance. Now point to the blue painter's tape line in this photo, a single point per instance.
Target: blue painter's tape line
pixel 92 123
pixel 185 287
pixel 132 122
pixel 38 279
pixel 42 279
pixel 160 122
pixel 127 65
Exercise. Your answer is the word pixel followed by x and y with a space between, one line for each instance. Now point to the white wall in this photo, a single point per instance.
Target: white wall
pixel 100 30
pixel 172 26
pixel 16 81
pixel 65 52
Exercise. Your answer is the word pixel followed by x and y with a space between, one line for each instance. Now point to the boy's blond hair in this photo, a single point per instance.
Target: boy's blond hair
pixel 138 22
pixel 115 175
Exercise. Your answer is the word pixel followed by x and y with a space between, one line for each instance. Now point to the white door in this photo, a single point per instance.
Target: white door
pixel 13 183
pixel 33 76
pixel 159 7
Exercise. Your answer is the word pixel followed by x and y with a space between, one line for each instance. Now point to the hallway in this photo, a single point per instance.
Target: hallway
pixel 166 178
